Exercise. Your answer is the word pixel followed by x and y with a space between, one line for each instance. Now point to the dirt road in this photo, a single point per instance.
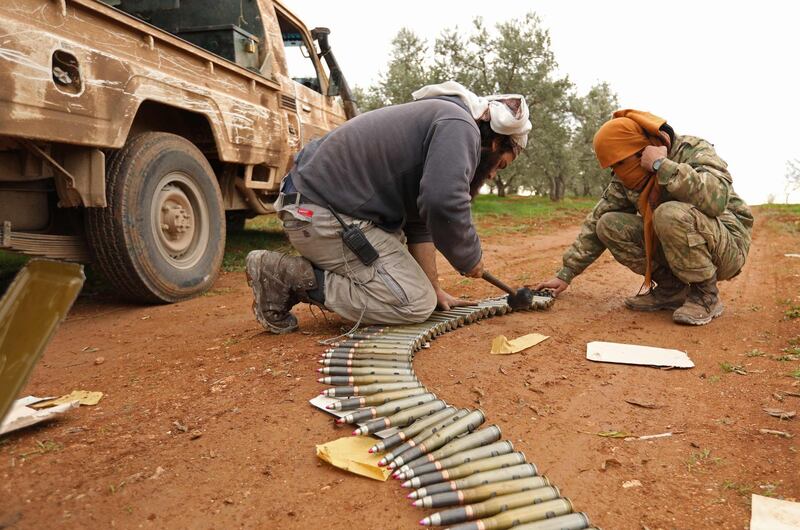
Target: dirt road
pixel 246 458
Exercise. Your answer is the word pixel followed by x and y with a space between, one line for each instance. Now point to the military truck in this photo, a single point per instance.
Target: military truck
pixel 132 131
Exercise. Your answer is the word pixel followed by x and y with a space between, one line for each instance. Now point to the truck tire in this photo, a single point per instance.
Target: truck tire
pixel 162 237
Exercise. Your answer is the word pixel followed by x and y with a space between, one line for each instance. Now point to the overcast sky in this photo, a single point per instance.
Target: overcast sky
pixel 724 71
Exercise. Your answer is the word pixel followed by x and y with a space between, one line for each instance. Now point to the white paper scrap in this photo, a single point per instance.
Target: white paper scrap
pixel 774 514
pixel 321 402
pixel 21 415
pixel 612 352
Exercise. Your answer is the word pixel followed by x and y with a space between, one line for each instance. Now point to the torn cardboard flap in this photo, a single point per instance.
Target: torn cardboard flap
pixel 83 397
pixel 351 453
pixel 612 352
pixel 21 415
pixel 502 346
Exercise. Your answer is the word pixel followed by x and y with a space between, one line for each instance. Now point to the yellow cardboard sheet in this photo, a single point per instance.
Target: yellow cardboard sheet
pixel 83 397
pixel 502 346
pixel 351 453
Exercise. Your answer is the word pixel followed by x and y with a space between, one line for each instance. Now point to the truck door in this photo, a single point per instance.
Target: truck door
pixel 317 113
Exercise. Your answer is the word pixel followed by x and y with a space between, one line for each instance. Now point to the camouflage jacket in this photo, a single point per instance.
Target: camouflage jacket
pixel 692 173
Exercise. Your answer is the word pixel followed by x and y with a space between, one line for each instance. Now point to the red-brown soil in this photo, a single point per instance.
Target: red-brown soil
pixel 248 460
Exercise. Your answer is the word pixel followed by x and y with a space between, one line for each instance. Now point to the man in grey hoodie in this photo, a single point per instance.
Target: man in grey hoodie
pixel 405 175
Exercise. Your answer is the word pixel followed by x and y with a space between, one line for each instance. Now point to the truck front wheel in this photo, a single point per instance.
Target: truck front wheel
pixel 162 237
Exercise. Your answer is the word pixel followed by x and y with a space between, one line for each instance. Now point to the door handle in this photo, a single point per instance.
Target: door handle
pixel 306 108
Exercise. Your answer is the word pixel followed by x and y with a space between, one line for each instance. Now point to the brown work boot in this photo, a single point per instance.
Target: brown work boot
pixel 669 293
pixel 278 282
pixel 702 305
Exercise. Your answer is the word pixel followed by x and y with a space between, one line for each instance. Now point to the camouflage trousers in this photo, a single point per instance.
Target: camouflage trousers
pixel 691 244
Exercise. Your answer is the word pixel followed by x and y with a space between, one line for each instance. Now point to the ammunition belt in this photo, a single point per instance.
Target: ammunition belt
pixel 440 450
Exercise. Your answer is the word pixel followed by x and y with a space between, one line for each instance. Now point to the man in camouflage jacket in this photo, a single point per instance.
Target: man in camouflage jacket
pixel 703 228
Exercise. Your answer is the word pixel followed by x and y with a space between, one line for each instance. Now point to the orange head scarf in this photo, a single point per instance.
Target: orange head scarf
pixel 628 133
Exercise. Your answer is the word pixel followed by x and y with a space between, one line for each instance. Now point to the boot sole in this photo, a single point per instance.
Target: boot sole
pixel 252 282
pixel 652 309
pixel 680 319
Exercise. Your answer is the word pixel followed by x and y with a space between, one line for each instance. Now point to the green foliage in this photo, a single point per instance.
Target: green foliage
pixel 262 232
pixel 591 111
pixel 42 447
pixel 406 72
pixel 10 264
pixel 792 177
pixel 788 209
pixel 699 458
pixel 732 368
pixel 520 208
pixel 740 488
pixel 792 312
pixel 786 217
pixel 494 215
pixel 514 57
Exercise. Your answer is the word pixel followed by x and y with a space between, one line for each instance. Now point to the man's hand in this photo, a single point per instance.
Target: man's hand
pixel 556 284
pixel 476 272
pixel 650 154
pixel 445 301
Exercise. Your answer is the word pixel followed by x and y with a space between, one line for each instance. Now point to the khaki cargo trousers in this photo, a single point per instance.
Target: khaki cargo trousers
pixel 392 290
pixel 693 245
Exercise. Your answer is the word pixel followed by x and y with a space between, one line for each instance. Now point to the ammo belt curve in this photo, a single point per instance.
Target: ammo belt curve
pixel 468 475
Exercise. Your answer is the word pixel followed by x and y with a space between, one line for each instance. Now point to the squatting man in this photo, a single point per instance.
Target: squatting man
pixel 401 179
pixel 691 229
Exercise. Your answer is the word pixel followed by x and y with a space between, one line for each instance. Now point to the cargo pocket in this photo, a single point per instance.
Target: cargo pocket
pixel 695 240
pixel 393 285
pixel 294 224
pixel 692 263
pixel 727 255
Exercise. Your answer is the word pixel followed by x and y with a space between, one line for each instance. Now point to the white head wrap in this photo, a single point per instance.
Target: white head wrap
pixel 507 114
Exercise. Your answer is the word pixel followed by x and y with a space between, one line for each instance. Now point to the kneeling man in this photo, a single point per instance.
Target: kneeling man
pixel 669 214
pixel 403 176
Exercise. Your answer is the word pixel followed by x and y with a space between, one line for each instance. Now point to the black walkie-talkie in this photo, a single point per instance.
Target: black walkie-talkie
pixel 356 241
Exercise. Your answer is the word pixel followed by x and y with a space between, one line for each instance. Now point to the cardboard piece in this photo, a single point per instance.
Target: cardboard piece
pixel 612 352
pixel 321 402
pixel 22 415
pixel 83 397
pixel 774 514
pixel 351 453
pixel 502 346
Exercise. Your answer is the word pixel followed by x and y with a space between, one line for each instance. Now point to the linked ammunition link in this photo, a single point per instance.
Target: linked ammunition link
pixel 440 451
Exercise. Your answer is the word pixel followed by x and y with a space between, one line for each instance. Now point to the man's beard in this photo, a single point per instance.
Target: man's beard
pixel 489 161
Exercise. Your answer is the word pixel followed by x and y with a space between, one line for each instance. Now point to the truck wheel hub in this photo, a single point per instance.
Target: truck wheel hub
pixel 180 220
pixel 177 225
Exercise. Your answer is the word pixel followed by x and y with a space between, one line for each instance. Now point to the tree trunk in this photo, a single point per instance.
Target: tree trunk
pixel 503 186
pixel 556 188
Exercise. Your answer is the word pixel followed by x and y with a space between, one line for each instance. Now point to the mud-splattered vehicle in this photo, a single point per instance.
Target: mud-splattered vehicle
pixel 131 131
